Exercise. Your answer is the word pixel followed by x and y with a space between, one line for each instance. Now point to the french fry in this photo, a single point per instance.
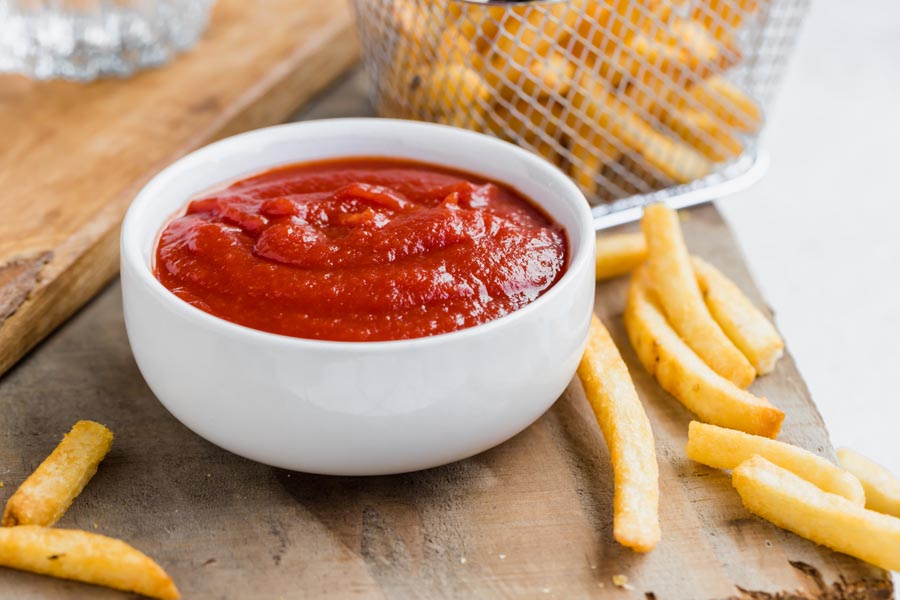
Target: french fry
pixel 619 254
pixel 672 158
pixel 591 152
pixel 722 448
pixel 449 91
pixel 749 330
pixel 683 374
pixel 881 486
pixel 524 122
pixel 48 492
pixel 704 132
pixel 549 75
pixel 548 152
pixel 625 427
pixel 792 503
pixel 723 99
pixel 478 23
pixel 723 17
pixel 86 557
pixel 672 276
pixel 527 31
pixel 743 323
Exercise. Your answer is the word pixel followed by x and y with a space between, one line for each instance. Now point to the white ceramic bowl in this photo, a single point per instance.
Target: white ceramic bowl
pixel 356 408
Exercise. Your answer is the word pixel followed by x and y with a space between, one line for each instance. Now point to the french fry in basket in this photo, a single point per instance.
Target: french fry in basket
pixel 86 557
pixel 881 486
pixel 591 152
pixel 722 448
pixel 549 75
pixel 722 17
pixel 673 279
pixel 704 132
pixel 683 374
pixel 625 427
pixel 672 158
pixel 48 492
pixel 722 98
pixel 743 323
pixel 619 254
pixel 792 503
pixel 453 86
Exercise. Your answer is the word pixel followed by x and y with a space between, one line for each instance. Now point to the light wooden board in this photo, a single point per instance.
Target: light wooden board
pixel 532 518
pixel 73 155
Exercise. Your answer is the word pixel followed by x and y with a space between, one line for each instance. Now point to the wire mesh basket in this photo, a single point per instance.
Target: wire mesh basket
pixel 637 100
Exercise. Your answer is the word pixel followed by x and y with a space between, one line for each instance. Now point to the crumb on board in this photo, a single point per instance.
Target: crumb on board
pixel 462 560
pixel 95 525
pixel 546 590
pixel 502 556
pixel 622 582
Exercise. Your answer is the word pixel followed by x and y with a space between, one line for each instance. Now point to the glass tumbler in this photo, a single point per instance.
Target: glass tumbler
pixel 85 39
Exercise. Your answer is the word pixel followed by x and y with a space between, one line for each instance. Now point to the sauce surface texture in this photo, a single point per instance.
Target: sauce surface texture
pixel 360 250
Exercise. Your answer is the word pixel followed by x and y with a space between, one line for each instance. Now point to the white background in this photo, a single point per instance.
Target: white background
pixel 821 232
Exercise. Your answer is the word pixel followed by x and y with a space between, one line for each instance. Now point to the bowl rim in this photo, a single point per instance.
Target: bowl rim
pixel 131 243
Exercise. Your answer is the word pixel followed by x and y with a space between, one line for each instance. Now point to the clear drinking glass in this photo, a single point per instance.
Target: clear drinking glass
pixel 86 39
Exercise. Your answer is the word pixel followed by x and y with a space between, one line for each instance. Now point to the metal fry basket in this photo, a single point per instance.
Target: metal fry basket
pixel 637 100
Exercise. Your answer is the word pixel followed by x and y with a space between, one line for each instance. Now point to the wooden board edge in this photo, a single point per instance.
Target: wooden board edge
pixel 79 276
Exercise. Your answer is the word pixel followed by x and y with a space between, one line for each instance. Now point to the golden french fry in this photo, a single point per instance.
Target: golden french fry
pixel 619 254
pixel 704 132
pixel 478 23
pixel 722 448
pixel 749 330
pixel 725 100
pixel 524 122
pixel 549 75
pixel 451 88
pixel 527 31
pixel 625 427
pixel 48 492
pixel 881 486
pixel 723 17
pixel 548 152
pixel 792 503
pixel 86 557
pixel 743 323
pixel 673 278
pixel 455 48
pixel 591 152
pixel 603 26
pixel 672 158
pixel 683 374
pixel 414 21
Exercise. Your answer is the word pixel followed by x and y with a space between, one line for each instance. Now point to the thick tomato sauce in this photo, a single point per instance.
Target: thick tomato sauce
pixel 360 249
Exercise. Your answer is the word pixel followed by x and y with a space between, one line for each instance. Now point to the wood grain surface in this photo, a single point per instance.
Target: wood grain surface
pixel 531 518
pixel 73 155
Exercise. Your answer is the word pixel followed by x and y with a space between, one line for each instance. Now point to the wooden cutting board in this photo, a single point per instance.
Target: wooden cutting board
pixel 531 518
pixel 74 155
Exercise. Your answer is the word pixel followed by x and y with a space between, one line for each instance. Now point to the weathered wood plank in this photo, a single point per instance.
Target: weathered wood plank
pixel 75 154
pixel 531 518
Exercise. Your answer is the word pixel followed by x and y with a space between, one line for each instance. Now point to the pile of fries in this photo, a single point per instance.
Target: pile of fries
pixel 627 96
pixel 29 542
pixel 705 342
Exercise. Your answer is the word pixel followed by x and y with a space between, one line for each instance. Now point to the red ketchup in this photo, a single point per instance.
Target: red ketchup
pixel 361 249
